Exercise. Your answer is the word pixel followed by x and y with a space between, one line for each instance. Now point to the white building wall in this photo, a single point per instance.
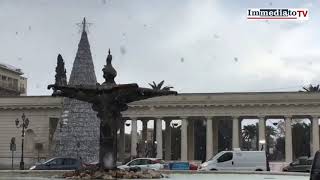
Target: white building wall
pixel 38 110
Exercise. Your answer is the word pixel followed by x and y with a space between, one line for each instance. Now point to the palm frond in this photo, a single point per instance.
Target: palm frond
pixel 312 88
pixel 167 88
pixel 156 86
pixel 160 84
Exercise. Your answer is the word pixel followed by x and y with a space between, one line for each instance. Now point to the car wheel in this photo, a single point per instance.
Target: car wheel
pixel 213 169
pixel 258 169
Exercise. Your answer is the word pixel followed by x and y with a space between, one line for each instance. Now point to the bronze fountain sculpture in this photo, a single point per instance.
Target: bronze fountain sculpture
pixel 108 100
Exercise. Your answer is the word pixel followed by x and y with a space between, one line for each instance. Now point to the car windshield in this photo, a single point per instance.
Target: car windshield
pixel 50 160
pixel 296 162
pixel 216 156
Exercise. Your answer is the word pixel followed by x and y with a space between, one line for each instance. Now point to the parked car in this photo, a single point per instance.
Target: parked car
pixel 302 164
pixel 193 166
pixel 237 160
pixel 182 165
pixel 143 164
pixel 59 163
pixel 315 168
pixel 96 164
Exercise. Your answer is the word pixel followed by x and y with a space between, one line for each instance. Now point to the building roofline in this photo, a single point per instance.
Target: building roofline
pixel 11 68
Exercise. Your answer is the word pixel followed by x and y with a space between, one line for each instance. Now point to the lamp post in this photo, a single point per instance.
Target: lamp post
pixel 262 142
pixel 176 145
pixel 263 148
pixel 154 149
pixel 24 125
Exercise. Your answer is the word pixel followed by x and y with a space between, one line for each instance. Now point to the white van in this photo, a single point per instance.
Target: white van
pixel 237 160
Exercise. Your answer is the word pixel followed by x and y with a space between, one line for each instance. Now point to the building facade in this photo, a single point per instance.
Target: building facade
pixel 233 107
pixel 182 118
pixel 43 113
pixel 12 83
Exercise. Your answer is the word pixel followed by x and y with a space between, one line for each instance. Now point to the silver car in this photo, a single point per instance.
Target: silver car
pixel 144 164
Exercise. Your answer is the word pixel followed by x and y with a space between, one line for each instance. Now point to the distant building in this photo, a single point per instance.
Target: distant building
pixel 12 83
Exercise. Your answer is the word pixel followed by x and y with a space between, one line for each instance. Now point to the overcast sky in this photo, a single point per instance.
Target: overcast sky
pixel 195 46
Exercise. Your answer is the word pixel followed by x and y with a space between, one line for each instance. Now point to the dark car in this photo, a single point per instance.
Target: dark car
pixel 58 164
pixel 302 164
pixel 315 169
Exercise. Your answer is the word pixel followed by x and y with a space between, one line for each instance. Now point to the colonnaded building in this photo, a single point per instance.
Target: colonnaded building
pixel 189 126
pixel 45 112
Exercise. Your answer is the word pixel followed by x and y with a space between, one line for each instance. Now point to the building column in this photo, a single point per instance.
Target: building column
pixel 209 139
pixel 184 139
pixel 134 139
pixel 315 135
pixel 122 141
pixel 215 136
pixel 235 133
pixel 159 137
pixel 145 136
pixel 144 130
pixel 288 140
pixel 262 134
pixel 168 141
pixel 190 132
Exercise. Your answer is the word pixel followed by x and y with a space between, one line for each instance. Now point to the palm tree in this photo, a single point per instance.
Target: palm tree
pixel 159 86
pixel 248 134
pixel 312 88
pixel 271 131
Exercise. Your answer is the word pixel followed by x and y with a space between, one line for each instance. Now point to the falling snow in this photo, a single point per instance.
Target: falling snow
pixel 123 50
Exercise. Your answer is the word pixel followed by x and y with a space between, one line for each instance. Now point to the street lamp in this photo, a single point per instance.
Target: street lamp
pixel 262 142
pixel 174 125
pixel 154 148
pixel 24 125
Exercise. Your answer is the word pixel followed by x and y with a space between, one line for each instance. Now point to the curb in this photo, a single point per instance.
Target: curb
pixel 235 172
pixel 57 173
